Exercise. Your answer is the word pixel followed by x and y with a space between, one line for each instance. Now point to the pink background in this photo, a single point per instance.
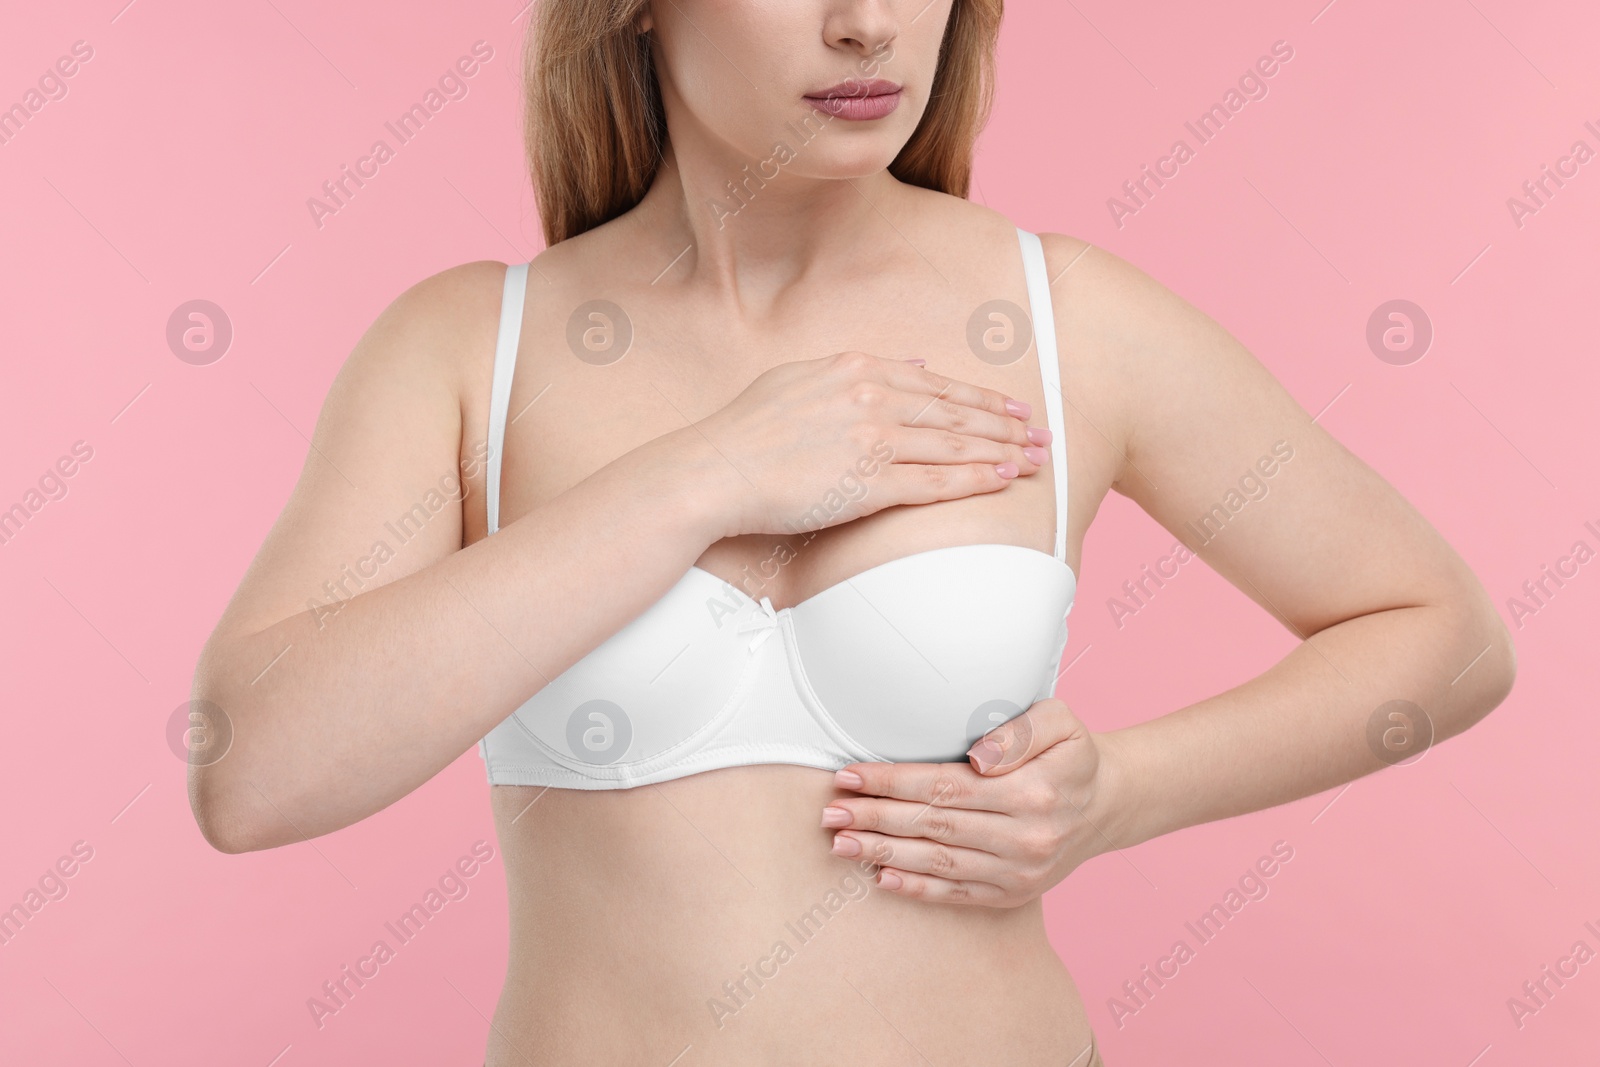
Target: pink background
pixel 1378 167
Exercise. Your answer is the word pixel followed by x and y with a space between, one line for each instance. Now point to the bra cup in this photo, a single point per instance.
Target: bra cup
pixel 1047 687
pixel 916 661
pixel 658 684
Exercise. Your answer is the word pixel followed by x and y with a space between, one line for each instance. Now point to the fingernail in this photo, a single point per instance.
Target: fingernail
pixel 832 816
pixel 1035 456
pixel 985 754
pixel 1018 409
pixel 847 779
pixel 1006 470
pixel 889 880
pixel 845 846
pixel 1038 435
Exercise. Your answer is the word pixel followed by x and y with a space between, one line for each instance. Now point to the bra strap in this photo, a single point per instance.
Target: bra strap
pixel 505 365
pixel 1044 335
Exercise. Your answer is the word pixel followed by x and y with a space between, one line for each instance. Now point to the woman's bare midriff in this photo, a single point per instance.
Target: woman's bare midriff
pixel 706 918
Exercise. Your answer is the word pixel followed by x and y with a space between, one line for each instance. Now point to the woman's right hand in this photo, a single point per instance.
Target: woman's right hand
pixel 820 442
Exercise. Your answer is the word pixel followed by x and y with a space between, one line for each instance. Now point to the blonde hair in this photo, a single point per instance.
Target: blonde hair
pixel 594 129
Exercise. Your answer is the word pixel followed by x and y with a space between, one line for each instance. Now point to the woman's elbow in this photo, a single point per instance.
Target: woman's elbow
pixel 222 796
pixel 220 818
pixel 1487 658
pixel 224 820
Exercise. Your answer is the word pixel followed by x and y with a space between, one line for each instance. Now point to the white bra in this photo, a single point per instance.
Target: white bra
pixel 908 661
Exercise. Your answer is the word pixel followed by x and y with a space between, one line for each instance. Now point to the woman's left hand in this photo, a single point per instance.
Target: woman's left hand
pixel 998 832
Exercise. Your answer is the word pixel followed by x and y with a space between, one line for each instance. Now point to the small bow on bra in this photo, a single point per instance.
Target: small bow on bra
pixel 762 621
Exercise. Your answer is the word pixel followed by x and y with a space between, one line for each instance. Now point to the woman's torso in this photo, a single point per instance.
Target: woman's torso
pixel 707 912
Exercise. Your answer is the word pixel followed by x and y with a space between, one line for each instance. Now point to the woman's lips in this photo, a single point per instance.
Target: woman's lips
pixel 857 107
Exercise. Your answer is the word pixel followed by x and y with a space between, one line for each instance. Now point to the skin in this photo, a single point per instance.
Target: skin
pixel 734 409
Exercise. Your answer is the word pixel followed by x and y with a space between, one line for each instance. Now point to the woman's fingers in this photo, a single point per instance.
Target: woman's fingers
pixel 1011 744
pixel 950 874
pixel 900 818
pixel 910 378
pixel 885 404
pixel 928 483
pixel 913 445
pixel 999 856
pixel 916 411
pixel 924 857
pixel 933 890
pixel 948 785
pixel 963 409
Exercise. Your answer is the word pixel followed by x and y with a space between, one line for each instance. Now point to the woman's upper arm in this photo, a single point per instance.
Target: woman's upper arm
pixel 1220 454
pixel 379 495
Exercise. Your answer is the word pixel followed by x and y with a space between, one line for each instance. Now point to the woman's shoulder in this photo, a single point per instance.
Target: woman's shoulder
pixel 1122 338
pixel 1116 317
pixel 1103 291
pixel 448 297
pixel 450 318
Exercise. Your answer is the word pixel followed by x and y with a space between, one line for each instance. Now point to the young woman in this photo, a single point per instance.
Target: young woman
pixel 777 435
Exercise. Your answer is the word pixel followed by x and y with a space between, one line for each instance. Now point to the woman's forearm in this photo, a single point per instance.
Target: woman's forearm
pixel 334 716
pixel 1306 724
